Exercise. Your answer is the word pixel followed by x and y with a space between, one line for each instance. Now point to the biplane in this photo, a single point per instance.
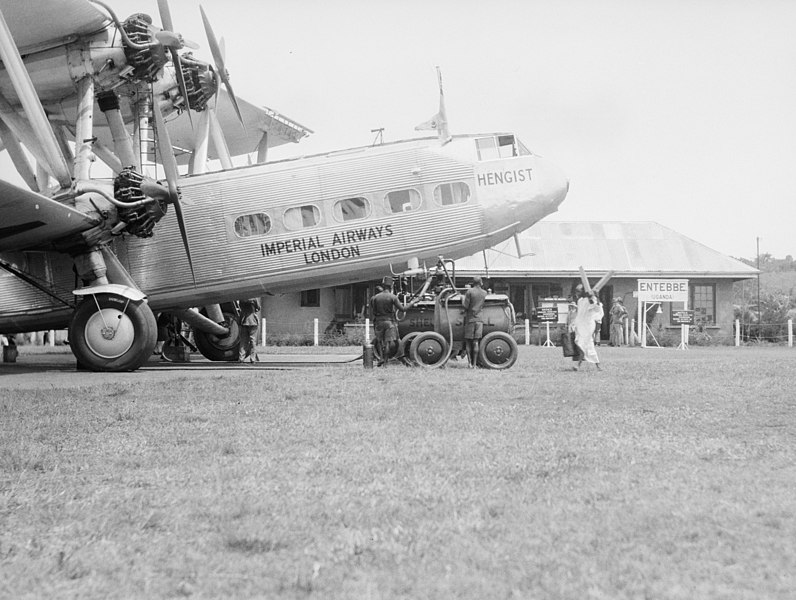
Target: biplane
pixel 101 256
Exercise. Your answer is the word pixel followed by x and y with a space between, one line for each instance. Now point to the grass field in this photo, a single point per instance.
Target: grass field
pixel 670 474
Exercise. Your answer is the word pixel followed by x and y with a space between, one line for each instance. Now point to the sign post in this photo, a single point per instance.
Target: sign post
pixel 546 315
pixel 659 291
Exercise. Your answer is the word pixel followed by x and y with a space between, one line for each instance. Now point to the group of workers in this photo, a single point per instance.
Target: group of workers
pixel 384 305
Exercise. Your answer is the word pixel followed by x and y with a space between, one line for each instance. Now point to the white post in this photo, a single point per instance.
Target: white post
pixel 643 336
pixel 737 332
pixel 52 337
pixel 527 332
pixel 263 332
pixel 790 333
pixel 315 331
pixel 367 331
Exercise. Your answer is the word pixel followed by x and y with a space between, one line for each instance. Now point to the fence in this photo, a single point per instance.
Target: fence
pixel 753 333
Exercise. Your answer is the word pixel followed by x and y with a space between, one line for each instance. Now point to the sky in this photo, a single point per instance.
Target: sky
pixel 681 112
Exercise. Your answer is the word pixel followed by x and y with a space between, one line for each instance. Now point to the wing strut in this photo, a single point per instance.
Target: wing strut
pixel 20 79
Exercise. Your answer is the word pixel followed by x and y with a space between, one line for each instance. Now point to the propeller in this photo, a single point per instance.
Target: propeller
pixel 173 41
pixel 172 174
pixel 218 57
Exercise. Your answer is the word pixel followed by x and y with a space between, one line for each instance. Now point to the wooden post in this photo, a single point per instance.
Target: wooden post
pixel 527 332
pixel 737 333
pixel 315 331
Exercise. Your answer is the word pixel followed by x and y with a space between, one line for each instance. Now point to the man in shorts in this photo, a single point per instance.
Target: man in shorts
pixel 382 310
pixel 473 303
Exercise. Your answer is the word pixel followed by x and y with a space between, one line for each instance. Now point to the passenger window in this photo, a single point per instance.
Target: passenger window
pixel 248 225
pixel 302 217
pixel 403 201
pixel 451 193
pixel 351 209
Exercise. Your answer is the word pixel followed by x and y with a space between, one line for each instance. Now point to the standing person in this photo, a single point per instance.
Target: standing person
pixel 473 303
pixel 249 324
pixel 589 310
pixel 618 314
pixel 382 310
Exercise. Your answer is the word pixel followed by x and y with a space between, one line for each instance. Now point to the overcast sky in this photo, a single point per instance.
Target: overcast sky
pixel 680 112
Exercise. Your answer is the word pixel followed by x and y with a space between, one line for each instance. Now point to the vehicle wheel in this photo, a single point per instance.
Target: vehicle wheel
pixel 498 350
pixel 109 332
pixel 405 345
pixel 429 349
pixel 216 348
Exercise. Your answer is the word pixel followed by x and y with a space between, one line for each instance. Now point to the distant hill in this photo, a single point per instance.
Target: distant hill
pixel 777 278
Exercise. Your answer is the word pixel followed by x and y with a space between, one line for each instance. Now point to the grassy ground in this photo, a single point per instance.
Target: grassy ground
pixel 668 475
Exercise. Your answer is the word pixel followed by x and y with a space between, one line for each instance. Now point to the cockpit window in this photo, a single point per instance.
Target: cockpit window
pixel 403 201
pixel 256 224
pixel 447 194
pixel 492 148
pixel 301 217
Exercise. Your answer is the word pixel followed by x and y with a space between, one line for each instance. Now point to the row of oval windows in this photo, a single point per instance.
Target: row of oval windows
pixel 351 209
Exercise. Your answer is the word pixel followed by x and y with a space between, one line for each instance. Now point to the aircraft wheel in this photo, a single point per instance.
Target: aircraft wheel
pixel 429 349
pixel 498 350
pixel 109 332
pixel 216 348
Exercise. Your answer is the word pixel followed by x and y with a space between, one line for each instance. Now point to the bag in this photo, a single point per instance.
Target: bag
pixel 568 343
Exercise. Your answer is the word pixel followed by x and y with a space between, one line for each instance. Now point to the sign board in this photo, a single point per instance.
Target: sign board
pixel 547 313
pixel 663 290
pixel 682 317
pixel 560 304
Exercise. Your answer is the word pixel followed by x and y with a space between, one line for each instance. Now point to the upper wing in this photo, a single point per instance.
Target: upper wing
pixel 28 219
pixel 257 121
pixel 37 22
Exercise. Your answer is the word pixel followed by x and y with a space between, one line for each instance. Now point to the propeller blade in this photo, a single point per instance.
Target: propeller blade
pixel 172 174
pixel 218 57
pixel 181 81
pixel 173 41
pixel 165 15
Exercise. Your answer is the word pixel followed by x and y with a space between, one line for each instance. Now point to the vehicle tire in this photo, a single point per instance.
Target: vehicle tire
pixel 429 349
pixel 216 348
pixel 109 332
pixel 497 350
pixel 405 345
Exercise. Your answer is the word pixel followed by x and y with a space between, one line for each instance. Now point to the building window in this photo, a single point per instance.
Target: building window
pixel 351 209
pixel 248 225
pixel 403 201
pixel 311 298
pixel 492 148
pixel 703 301
pixel 302 217
pixel 451 193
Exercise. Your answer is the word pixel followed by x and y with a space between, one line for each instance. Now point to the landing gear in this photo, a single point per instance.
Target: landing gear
pixel 217 348
pixel 109 332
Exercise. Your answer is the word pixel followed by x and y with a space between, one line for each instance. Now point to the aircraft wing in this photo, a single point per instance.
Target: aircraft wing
pixel 36 22
pixel 28 219
pixel 257 120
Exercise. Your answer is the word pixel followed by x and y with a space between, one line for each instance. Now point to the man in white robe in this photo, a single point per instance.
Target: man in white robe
pixel 589 312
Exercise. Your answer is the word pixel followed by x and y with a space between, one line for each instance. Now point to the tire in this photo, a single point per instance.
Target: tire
pixel 429 349
pixel 216 348
pixel 498 350
pixel 405 345
pixel 109 332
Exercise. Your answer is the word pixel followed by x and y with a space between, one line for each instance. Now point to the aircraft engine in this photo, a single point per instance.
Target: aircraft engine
pixel 148 59
pixel 140 218
pixel 200 82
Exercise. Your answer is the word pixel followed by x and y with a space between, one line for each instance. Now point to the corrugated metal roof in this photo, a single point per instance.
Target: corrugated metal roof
pixel 629 249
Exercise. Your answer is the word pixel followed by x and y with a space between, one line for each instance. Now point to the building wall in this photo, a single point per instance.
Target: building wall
pixel 285 315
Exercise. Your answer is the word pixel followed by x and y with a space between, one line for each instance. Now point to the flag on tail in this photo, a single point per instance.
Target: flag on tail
pixel 439 122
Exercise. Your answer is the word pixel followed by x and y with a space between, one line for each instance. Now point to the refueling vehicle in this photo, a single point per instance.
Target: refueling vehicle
pixel 432 331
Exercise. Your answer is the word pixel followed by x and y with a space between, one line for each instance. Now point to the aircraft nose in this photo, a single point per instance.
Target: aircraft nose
pixel 557 185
